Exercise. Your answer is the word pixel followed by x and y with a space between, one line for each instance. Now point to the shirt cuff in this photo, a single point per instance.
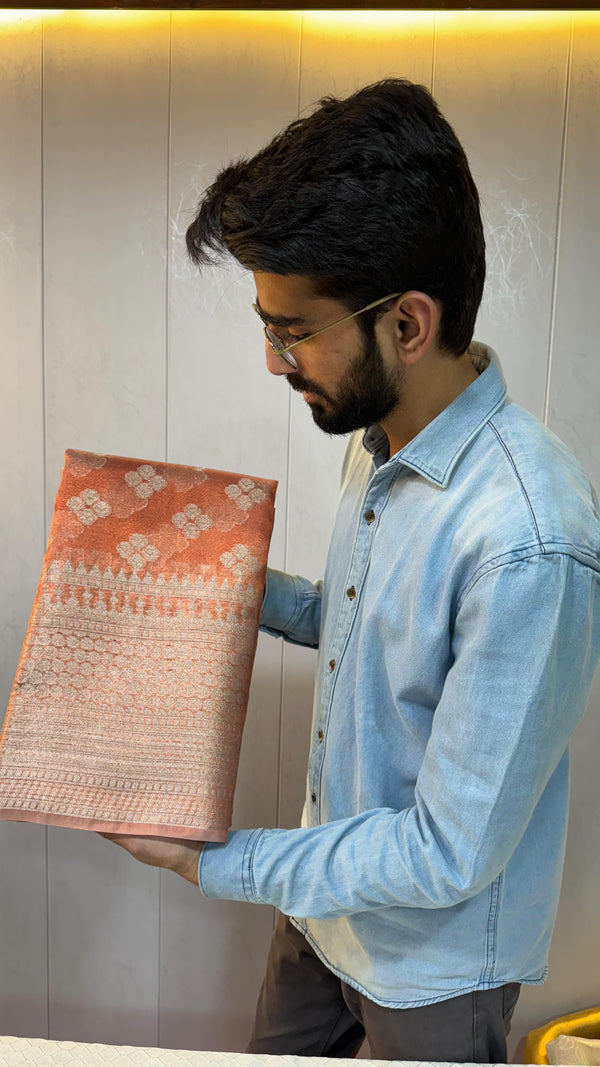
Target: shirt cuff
pixel 280 602
pixel 225 870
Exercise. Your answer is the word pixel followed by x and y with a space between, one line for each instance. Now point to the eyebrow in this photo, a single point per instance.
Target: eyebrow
pixel 279 320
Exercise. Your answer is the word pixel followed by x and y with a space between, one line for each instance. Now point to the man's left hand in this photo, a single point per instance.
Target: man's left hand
pixel 173 854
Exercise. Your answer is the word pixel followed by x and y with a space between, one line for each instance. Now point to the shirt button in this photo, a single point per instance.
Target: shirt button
pixel 351 593
pixel 314 798
pixel 331 664
pixel 369 517
pixel 320 735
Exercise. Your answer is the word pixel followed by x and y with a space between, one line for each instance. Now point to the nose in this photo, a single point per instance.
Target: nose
pixel 275 364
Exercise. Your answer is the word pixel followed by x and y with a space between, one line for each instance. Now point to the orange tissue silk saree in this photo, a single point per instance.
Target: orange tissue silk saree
pixel 127 711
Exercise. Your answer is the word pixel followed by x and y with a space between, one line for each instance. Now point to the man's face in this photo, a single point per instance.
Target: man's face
pixel 342 374
pixel 365 393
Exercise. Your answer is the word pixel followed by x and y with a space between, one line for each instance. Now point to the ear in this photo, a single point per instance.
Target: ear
pixel 414 320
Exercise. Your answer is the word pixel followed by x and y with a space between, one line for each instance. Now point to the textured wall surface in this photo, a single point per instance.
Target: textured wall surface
pixel 110 126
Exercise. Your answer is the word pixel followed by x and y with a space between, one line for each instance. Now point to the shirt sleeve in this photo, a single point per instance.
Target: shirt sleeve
pixel 292 608
pixel 525 645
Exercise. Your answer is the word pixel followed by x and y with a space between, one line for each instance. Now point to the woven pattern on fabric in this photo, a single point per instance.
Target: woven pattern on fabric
pixel 129 702
pixel 37 1052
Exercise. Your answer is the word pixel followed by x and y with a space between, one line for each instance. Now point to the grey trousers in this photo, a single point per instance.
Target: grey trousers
pixel 306 1010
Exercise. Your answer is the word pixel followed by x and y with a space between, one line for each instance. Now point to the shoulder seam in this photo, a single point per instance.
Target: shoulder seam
pixel 520 481
pixel 498 562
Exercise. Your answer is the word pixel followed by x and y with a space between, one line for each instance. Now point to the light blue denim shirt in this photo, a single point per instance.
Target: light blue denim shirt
pixel 458 628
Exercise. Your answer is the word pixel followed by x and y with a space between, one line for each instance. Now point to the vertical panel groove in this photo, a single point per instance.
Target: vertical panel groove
pixel 287 499
pixel 433 54
pixel 166 448
pixel 300 31
pixel 43 281
pixel 559 208
pixel 285 567
pixel 168 238
pixel 158 955
pixel 44 485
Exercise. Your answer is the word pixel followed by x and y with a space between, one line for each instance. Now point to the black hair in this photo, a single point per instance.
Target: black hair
pixel 366 196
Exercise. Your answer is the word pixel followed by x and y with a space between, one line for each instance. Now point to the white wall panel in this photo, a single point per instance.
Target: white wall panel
pixel 23 928
pixel 234 84
pixel 341 51
pixel 22 410
pixel 574 388
pixel 106 91
pixel 500 79
pixel 103 919
pixel 344 50
pixel 574 414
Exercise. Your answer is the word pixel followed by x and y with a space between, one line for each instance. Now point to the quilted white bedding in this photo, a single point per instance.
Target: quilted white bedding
pixel 17 1051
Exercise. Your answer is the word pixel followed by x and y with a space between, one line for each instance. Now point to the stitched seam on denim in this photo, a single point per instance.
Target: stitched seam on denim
pixel 248 882
pixel 340 657
pixel 302 596
pixel 485 420
pixel 576 552
pixel 300 924
pixel 487 977
pixel 491 565
pixel 401 1004
pixel 518 477
pixel 336 628
pixel 200 862
pixel 526 551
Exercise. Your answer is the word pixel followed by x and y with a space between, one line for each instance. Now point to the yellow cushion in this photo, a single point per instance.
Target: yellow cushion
pixel 579 1024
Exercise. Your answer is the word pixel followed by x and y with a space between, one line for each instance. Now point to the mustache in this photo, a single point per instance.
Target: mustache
pixel 304 385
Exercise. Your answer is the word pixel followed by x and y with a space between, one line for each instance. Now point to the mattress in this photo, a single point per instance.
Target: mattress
pixel 40 1053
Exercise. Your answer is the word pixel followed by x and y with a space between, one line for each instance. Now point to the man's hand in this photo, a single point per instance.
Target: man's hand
pixel 174 854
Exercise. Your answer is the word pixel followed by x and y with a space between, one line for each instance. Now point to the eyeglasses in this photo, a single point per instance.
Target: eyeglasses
pixel 283 351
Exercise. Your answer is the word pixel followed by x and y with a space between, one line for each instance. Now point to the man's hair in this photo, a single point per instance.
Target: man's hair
pixel 366 196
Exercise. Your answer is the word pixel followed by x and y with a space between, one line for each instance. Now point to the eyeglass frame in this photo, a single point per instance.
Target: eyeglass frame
pixel 272 337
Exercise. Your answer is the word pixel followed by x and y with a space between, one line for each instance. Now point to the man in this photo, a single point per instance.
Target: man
pixel 458 624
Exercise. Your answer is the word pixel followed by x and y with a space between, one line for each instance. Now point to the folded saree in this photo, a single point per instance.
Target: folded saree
pixel 127 710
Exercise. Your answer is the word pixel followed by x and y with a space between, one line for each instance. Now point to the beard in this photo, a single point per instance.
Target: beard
pixel 366 394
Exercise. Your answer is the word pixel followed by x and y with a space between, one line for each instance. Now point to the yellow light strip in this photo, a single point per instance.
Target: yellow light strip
pixel 26 14
pixel 328 18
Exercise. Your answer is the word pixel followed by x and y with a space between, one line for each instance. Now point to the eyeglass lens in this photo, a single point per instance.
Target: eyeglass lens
pixel 277 344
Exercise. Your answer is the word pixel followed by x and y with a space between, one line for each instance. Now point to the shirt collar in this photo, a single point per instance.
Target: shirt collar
pixel 435 451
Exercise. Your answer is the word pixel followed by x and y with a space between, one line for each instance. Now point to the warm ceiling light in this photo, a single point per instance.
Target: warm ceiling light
pixel 26 14
pixel 359 15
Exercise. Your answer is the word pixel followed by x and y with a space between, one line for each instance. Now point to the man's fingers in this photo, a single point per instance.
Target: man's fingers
pixel 176 855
